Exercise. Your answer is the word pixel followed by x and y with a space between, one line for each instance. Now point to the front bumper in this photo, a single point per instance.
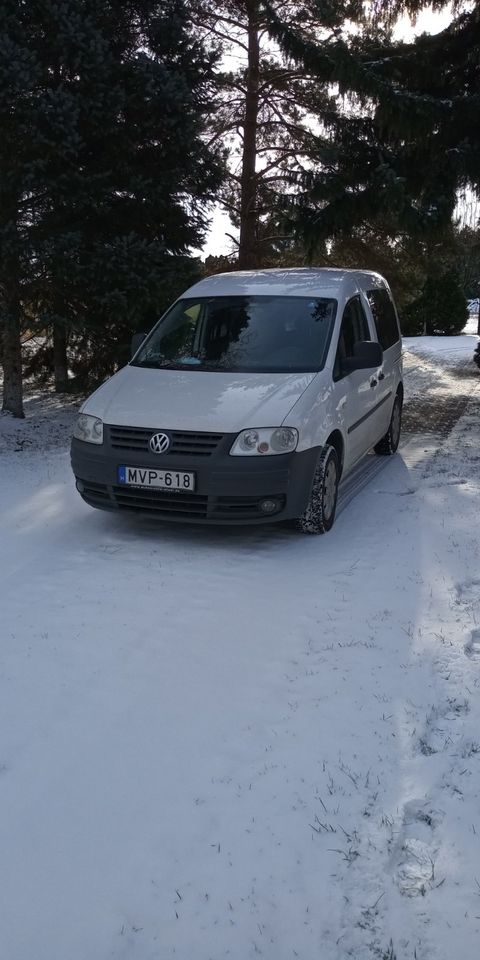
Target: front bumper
pixel 228 489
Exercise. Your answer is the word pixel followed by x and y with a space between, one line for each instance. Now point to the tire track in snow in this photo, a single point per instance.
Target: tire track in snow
pixel 417 846
pixel 427 420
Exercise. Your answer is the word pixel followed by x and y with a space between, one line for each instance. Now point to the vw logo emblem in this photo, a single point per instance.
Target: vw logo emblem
pixel 159 443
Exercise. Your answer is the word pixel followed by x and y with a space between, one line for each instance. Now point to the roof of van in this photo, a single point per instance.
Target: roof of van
pixel 293 282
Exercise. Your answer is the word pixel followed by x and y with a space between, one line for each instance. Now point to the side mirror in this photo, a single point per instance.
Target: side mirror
pixel 366 356
pixel 137 341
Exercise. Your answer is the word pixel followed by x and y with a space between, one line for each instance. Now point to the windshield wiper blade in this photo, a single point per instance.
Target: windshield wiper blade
pixel 159 364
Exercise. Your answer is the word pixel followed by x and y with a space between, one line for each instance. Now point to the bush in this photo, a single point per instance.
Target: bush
pixel 440 309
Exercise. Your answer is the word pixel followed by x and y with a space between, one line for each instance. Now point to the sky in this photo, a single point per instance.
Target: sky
pixel 217 242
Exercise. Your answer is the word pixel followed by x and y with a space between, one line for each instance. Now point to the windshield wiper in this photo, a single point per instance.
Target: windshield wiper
pixel 160 364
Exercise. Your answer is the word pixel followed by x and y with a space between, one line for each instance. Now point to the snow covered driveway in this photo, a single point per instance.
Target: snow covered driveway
pixel 240 743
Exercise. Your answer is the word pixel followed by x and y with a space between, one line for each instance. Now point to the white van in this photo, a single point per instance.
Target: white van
pixel 248 401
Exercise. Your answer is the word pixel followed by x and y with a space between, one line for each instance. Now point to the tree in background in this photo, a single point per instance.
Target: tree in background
pixel 467 261
pixel 264 108
pixel 441 307
pixel 408 139
pixel 104 172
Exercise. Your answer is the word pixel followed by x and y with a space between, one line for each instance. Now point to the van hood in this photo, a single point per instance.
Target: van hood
pixel 196 401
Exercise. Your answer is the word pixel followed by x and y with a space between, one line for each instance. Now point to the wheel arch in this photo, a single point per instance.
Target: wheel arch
pixel 336 441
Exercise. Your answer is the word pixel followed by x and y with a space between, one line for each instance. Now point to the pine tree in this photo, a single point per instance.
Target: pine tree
pixel 263 108
pixel 409 139
pixel 104 170
pixel 441 307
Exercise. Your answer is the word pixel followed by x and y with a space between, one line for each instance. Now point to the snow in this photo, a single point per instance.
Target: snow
pixel 443 348
pixel 237 743
pixel 472 322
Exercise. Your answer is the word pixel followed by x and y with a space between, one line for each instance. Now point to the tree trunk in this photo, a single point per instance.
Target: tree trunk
pixel 60 363
pixel 248 251
pixel 12 356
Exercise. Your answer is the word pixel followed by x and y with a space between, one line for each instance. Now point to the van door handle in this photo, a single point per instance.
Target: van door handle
pixel 381 376
pixel 373 382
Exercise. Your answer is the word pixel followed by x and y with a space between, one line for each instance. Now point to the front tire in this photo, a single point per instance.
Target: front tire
pixel 389 443
pixel 319 514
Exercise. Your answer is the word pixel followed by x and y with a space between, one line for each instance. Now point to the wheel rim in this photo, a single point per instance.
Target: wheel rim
pixel 329 490
pixel 396 421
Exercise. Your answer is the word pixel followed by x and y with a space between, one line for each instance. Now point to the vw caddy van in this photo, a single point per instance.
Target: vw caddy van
pixel 250 399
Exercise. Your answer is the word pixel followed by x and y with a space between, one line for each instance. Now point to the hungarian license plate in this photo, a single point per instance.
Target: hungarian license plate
pixel 159 479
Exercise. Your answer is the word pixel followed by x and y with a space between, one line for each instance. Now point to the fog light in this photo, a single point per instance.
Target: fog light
pixel 269 506
pixel 79 485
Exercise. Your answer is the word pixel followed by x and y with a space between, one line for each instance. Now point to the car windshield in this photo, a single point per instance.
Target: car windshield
pixel 247 334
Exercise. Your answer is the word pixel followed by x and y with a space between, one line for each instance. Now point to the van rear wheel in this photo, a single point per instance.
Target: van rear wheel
pixel 389 443
pixel 319 514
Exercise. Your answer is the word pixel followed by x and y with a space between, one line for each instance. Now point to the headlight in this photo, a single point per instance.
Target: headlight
pixel 265 442
pixel 89 429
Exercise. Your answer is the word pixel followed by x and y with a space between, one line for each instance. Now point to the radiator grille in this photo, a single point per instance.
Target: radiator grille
pixel 182 443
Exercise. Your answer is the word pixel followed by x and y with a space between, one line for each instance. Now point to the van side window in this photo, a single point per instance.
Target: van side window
pixel 354 329
pixel 384 317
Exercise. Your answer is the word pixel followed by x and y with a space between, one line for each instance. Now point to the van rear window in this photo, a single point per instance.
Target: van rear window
pixel 385 318
pixel 246 334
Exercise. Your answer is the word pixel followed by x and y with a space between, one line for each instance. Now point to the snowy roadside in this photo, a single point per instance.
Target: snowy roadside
pixel 244 743
pixel 48 423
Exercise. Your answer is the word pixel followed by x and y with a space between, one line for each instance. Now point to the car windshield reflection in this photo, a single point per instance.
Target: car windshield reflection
pixel 244 334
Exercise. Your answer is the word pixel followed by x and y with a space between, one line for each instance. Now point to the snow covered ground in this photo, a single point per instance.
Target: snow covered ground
pixel 245 743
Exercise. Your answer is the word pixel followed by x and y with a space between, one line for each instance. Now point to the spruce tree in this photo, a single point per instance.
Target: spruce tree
pixel 441 307
pixel 104 170
pixel 409 138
